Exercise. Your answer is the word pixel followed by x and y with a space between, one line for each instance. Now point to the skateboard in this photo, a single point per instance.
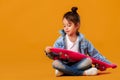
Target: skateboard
pixel 72 56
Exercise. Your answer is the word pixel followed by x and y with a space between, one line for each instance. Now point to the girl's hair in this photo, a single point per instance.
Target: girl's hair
pixel 72 15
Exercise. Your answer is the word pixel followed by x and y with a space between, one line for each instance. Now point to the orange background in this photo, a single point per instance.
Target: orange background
pixel 28 26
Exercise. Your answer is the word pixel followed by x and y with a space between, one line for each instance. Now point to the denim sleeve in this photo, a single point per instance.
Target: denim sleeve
pixel 95 54
pixel 59 43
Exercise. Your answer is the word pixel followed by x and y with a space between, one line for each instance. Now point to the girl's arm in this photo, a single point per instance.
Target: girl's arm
pixel 57 44
pixel 95 54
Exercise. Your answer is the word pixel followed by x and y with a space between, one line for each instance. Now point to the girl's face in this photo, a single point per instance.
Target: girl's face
pixel 69 27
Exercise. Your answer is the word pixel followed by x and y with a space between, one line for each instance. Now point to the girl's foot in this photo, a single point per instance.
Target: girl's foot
pixel 58 73
pixel 91 72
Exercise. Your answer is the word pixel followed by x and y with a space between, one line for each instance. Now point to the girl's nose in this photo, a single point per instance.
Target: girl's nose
pixel 66 28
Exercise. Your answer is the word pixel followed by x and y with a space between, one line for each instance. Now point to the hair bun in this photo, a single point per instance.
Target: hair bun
pixel 74 9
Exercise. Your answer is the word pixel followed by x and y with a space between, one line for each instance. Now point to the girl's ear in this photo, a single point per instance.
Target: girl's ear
pixel 78 25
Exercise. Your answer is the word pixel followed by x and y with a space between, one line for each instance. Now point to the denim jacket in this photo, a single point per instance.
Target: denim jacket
pixel 85 47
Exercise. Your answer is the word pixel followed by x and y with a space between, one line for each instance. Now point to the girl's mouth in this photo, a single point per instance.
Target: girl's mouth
pixel 66 31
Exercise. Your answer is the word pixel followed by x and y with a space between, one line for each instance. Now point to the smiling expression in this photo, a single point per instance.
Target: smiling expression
pixel 69 27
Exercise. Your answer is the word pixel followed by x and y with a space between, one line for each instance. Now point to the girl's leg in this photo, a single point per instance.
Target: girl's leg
pixel 86 66
pixel 80 68
pixel 83 64
pixel 59 65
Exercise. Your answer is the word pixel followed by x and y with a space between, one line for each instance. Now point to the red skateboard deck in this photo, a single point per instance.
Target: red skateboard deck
pixel 75 56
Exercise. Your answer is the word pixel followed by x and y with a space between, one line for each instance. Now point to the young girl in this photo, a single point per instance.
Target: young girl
pixel 72 40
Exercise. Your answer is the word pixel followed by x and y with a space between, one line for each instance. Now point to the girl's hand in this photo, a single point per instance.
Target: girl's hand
pixel 47 49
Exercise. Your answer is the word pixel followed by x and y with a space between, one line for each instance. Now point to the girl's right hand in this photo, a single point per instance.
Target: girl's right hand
pixel 47 49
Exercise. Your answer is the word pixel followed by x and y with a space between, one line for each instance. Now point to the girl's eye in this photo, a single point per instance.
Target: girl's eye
pixel 69 25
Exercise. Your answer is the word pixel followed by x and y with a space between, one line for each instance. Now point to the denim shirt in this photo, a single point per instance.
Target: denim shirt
pixel 85 47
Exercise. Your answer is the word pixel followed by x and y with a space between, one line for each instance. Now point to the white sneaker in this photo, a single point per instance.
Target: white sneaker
pixel 91 72
pixel 58 73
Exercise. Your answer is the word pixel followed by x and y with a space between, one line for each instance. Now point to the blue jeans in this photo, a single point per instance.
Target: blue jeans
pixel 75 69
